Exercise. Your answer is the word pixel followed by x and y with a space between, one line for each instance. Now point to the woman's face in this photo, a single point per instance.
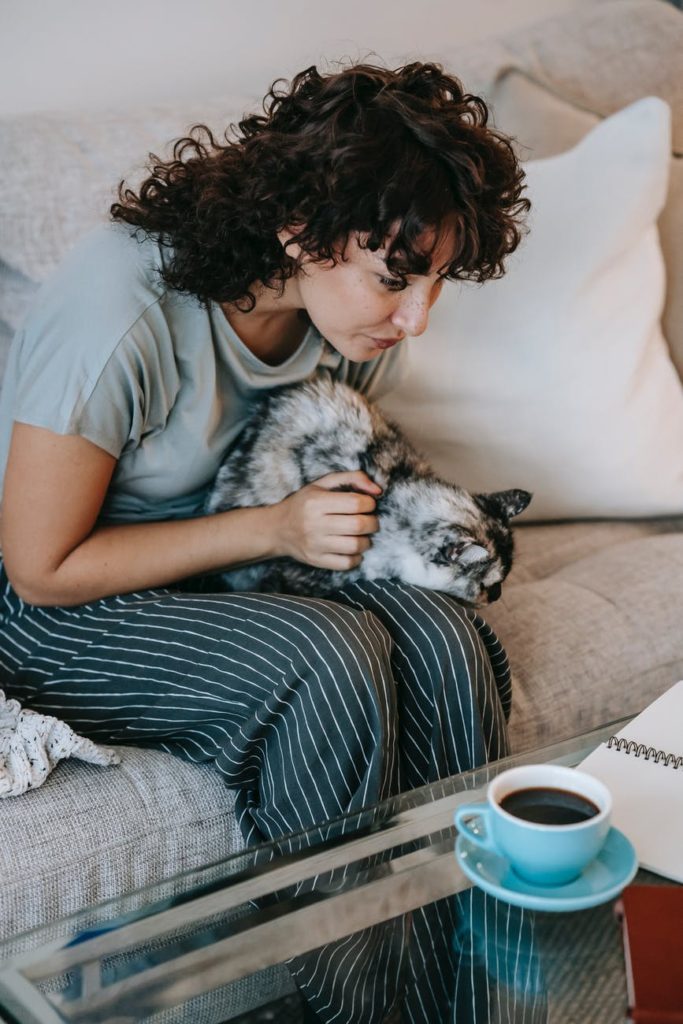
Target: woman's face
pixel 359 306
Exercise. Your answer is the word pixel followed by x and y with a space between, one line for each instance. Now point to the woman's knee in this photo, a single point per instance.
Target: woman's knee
pixel 451 626
pixel 348 654
pixel 429 628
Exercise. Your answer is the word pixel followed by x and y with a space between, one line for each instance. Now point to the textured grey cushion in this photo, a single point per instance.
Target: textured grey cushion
pixel 59 176
pixel 590 617
pixel 92 833
pixel 61 171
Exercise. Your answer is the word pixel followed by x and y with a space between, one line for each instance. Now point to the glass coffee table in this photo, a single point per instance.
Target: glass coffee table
pixel 211 946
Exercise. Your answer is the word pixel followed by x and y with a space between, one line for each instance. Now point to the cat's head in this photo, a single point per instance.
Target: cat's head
pixel 440 536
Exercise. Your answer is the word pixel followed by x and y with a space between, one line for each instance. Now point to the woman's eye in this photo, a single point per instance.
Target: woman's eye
pixel 394 284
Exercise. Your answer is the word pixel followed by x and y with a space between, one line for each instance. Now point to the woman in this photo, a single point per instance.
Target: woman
pixel 320 235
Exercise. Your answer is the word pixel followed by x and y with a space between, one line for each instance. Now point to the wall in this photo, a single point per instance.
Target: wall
pixel 86 54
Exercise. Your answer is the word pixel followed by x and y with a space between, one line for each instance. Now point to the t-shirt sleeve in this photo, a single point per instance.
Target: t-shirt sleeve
pixel 131 397
pixel 90 346
pixel 112 416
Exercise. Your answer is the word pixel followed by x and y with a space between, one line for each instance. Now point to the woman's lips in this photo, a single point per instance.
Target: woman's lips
pixel 385 342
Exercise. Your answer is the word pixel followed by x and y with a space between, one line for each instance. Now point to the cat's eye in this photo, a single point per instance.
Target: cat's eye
pixel 454 551
pixel 450 552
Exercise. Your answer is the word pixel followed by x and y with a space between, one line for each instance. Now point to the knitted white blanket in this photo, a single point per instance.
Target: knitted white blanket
pixel 31 744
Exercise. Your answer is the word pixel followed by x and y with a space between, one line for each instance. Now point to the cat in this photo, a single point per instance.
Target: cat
pixel 431 533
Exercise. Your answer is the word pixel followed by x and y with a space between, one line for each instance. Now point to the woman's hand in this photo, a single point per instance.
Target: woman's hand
pixel 327 528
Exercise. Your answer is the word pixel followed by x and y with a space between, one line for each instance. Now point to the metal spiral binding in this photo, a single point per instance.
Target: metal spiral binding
pixel 647 753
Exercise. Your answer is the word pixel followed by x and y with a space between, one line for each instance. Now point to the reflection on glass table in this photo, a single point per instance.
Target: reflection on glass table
pixel 376 899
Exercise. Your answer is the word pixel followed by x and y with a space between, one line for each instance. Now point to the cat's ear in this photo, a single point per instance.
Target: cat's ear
pixel 504 504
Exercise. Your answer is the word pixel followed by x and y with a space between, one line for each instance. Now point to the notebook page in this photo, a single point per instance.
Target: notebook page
pixel 648 797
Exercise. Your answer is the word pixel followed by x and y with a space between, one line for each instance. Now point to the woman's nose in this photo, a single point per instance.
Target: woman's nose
pixel 412 315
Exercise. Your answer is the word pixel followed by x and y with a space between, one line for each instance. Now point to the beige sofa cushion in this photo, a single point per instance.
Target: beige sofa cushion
pixel 591 619
pixel 541 123
pixel 551 81
pixel 544 124
pixel 602 56
pixel 542 550
pixel 671 238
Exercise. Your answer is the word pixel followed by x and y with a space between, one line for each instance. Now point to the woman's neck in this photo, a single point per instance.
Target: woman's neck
pixel 272 336
pixel 277 324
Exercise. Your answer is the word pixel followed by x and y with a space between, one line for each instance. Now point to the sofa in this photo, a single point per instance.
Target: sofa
pixel 592 610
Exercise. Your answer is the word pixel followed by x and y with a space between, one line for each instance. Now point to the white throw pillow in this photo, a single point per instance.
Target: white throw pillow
pixel 556 378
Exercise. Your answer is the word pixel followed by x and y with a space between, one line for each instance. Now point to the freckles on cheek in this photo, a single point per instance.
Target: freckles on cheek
pixel 354 296
pixel 373 306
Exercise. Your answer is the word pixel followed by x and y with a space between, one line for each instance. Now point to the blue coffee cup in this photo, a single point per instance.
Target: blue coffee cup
pixel 543 854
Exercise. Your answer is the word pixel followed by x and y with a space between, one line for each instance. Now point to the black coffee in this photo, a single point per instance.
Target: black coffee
pixel 546 806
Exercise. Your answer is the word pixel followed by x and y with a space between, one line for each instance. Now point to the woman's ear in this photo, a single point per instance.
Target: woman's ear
pixel 293 250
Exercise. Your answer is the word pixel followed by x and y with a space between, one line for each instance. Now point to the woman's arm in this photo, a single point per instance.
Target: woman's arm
pixel 55 554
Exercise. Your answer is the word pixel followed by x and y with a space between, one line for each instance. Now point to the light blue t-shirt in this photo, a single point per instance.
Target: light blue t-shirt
pixel 163 383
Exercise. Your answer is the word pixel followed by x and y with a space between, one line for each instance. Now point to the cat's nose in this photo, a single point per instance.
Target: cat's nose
pixel 494 592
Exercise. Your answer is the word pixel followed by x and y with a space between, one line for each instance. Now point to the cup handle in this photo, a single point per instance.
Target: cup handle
pixel 472 820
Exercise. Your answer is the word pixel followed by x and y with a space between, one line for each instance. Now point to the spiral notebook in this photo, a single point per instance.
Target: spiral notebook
pixel 642 766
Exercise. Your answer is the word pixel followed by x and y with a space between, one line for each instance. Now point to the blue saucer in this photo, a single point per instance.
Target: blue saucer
pixel 601 880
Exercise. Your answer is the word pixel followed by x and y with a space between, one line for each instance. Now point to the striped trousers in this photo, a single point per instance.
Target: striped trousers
pixel 310 709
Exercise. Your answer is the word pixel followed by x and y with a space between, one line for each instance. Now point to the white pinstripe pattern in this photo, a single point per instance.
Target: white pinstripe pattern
pixel 310 709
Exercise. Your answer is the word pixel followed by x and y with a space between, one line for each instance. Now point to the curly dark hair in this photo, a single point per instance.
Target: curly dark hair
pixel 354 151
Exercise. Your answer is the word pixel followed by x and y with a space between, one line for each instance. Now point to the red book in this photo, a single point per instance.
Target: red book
pixel 652 923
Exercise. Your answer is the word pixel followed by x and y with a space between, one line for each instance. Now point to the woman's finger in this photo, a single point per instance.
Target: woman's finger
pixel 352 478
pixel 348 545
pixel 340 563
pixel 352 525
pixel 345 503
